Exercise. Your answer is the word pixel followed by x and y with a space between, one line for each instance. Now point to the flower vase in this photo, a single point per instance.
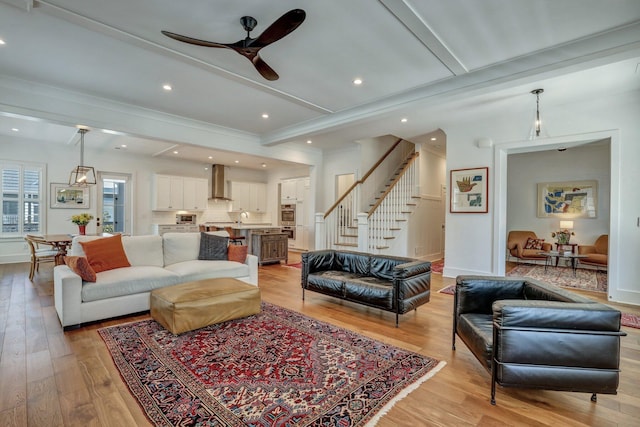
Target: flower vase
pixel 82 229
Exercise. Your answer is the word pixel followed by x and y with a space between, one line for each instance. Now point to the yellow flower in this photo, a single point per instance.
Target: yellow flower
pixel 82 219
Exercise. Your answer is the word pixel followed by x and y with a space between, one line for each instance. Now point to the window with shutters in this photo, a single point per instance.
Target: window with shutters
pixel 22 197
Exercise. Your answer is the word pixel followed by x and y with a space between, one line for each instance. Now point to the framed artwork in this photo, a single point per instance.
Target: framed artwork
pixel 569 199
pixel 469 190
pixel 63 196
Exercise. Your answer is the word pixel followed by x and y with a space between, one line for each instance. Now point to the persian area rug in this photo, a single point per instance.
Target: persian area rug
pixel 275 368
pixel 294 265
pixel 587 280
pixel 437 266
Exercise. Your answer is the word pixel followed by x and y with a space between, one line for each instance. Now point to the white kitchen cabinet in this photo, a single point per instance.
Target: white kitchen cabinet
pixel 195 194
pixel 258 197
pixel 172 193
pixel 248 196
pixel 288 190
pixel 168 193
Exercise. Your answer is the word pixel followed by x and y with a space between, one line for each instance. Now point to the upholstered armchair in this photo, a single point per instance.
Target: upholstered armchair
pixel 597 254
pixel 526 245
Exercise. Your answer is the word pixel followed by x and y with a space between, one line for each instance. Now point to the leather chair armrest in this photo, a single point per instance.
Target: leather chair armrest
pixel 549 315
pixel 410 269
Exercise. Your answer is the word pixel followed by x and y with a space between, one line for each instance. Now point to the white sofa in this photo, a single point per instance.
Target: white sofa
pixel 156 261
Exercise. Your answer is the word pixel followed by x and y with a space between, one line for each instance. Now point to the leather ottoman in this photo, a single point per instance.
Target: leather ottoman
pixel 192 305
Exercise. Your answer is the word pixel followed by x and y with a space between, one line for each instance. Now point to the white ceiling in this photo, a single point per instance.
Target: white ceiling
pixel 412 55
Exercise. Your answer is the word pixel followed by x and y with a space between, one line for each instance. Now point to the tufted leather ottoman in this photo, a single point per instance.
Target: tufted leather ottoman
pixel 192 305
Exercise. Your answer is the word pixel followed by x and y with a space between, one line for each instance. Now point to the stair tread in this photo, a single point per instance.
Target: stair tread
pixel 352 245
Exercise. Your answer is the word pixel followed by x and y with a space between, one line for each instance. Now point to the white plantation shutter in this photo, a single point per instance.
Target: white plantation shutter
pixel 22 198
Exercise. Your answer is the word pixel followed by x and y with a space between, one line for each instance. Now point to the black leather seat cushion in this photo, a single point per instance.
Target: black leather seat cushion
pixel 476 330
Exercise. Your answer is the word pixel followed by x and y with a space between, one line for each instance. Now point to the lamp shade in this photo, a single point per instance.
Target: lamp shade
pixel 566 225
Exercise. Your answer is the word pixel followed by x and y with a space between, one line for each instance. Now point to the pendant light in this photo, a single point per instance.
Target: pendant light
pixel 82 176
pixel 537 124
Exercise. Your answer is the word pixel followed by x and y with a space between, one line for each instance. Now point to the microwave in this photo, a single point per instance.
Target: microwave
pixel 185 218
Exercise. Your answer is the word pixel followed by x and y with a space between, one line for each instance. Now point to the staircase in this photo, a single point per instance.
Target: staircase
pixel 375 209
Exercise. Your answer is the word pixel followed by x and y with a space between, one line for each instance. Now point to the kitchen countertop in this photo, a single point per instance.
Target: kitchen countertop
pixel 243 226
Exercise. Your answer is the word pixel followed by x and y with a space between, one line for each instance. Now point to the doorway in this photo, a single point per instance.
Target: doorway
pixel 114 203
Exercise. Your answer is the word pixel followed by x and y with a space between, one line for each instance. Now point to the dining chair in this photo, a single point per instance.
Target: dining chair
pixel 38 254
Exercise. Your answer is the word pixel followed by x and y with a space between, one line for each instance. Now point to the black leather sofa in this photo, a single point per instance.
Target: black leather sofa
pixel 389 283
pixel 531 334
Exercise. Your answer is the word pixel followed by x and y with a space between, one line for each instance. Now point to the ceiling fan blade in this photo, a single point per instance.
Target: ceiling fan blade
pixel 280 28
pixel 264 69
pixel 191 40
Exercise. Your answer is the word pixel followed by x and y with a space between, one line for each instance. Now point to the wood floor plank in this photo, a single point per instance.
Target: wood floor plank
pixel 69 379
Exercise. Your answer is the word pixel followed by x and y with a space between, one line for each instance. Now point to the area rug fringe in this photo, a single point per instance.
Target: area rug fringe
pixel 386 408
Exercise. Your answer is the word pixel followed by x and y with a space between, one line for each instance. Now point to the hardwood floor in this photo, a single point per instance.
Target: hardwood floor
pixel 53 378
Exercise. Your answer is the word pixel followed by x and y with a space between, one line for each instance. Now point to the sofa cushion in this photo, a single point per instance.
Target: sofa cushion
pixel 534 243
pixel 237 253
pixel 212 247
pixel 127 281
pixel 202 269
pixel 476 330
pixel 80 266
pixel 106 253
pixel 76 247
pixel 371 291
pixel 382 266
pixel 353 262
pixel 143 250
pixel 180 247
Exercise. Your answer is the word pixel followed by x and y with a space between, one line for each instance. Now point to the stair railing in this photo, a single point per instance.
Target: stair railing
pixel 339 226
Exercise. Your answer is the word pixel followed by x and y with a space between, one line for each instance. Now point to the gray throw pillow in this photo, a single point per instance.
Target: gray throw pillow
pixel 213 247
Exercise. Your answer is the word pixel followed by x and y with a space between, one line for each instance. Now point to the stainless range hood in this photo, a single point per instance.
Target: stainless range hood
pixel 218 183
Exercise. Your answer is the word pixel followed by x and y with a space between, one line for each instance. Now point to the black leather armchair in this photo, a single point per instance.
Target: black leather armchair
pixel 531 334
pixel 389 283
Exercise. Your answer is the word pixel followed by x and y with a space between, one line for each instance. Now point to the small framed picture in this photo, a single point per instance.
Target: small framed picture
pixel 65 197
pixel 469 190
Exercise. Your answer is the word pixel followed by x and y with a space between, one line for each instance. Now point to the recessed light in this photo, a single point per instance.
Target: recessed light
pixel 264 165
pixel 123 145
pixel 15 129
pixel 309 141
pixel 237 161
pixel 434 138
pixel 210 157
pixel 404 120
pixel 265 116
pixel 2 42
pixel 167 87
pixel 175 152
pixel 357 82
pixel 206 168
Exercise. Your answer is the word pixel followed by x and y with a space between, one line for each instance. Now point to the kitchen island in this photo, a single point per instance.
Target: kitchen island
pixel 243 229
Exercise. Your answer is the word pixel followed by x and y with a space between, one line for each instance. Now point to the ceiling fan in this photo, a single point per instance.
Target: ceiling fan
pixel 249 47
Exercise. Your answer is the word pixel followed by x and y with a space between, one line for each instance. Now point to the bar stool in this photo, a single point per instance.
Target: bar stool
pixel 234 238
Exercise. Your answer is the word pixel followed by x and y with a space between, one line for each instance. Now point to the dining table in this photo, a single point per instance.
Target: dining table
pixel 60 242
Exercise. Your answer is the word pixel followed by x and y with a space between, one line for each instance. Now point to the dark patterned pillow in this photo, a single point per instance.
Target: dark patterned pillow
pixel 533 243
pixel 213 247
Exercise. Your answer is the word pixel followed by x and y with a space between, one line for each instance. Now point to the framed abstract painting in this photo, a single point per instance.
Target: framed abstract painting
pixel 469 190
pixel 568 199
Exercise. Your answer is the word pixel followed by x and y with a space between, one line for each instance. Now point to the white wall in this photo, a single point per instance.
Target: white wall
pixel 477 245
pixel 587 162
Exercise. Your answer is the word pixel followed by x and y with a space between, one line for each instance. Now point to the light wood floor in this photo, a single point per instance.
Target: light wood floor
pixel 52 378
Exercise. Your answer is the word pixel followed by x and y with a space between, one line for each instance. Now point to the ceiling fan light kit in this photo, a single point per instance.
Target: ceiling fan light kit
pixel 249 47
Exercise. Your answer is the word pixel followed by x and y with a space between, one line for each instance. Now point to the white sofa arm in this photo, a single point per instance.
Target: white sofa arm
pixel 252 262
pixel 67 292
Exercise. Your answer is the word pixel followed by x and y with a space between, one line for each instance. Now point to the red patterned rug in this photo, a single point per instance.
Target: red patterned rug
pixel 275 368
pixel 587 280
pixel 294 265
pixel 437 266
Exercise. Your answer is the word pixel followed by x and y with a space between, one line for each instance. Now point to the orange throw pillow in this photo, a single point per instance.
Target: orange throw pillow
pixel 80 266
pixel 237 253
pixel 106 253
